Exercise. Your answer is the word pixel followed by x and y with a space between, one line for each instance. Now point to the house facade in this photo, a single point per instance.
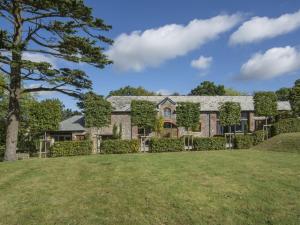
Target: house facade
pixel 209 125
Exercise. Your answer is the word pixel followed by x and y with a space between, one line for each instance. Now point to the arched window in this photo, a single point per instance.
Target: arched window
pixel 167 112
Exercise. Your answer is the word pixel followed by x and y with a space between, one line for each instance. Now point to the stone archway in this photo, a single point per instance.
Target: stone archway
pixel 170 130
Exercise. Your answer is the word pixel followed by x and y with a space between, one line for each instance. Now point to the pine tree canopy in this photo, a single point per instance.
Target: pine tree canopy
pixel 63 29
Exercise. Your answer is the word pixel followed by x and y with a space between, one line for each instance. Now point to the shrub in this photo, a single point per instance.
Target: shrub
pixel 257 137
pixel 166 145
pixel 243 141
pixel 2 150
pixel 212 143
pixel 286 126
pixel 71 148
pixel 119 146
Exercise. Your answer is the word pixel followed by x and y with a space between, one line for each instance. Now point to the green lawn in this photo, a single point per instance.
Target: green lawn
pixel 289 142
pixel 216 187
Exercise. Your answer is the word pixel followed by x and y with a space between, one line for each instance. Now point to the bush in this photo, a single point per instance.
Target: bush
pixel 166 145
pixel 286 126
pixel 71 148
pixel 2 150
pixel 258 137
pixel 212 143
pixel 119 146
pixel 243 141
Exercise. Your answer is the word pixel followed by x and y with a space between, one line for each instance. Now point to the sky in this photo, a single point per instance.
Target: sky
pixel 173 45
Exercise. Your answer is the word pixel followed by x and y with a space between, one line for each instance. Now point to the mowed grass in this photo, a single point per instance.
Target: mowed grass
pixel 216 187
pixel 289 142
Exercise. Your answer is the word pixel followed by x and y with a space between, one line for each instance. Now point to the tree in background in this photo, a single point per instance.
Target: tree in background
pixel 208 88
pixel 61 29
pixel 131 91
pixel 143 114
pixel 283 94
pixel 230 115
pixel 295 98
pixel 97 110
pixel 67 113
pixel 233 92
pixel 188 116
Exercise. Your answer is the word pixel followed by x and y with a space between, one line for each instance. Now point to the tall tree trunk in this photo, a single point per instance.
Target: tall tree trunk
pixel 13 116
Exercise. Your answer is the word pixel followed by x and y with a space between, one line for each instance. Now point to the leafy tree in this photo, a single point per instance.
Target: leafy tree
pixel 230 114
pixel 208 88
pixel 131 91
pixel 283 94
pixel 159 125
pixel 265 104
pixel 97 110
pixel 44 116
pixel 143 114
pixel 62 29
pixel 67 113
pixel 233 92
pixel 187 114
pixel 295 98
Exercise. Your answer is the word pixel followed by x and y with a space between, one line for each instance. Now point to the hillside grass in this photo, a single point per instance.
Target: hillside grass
pixel 215 187
pixel 289 142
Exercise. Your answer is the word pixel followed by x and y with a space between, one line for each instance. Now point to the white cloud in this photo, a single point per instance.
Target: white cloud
pixel 150 48
pixel 39 57
pixel 272 63
pixel 164 92
pixel 201 63
pixel 259 28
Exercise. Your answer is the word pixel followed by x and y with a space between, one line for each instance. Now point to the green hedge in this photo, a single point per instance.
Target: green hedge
pixel 212 143
pixel 166 145
pixel 71 148
pixel 258 137
pixel 243 141
pixel 119 146
pixel 286 126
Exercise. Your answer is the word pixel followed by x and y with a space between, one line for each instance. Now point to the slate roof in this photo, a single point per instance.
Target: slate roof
pixel 74 123
pixel 207 103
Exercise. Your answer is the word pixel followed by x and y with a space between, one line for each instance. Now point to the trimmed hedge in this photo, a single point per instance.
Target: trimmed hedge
pixel 119 146
pixel 166 145
pixel 286 126
pixel 258 137
pixel 71 148
pixel 212 143
pixel 243 141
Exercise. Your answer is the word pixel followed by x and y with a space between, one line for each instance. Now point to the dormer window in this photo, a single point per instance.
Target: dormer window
pixel 167 112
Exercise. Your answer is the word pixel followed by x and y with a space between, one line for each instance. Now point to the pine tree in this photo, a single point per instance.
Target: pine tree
pixel 62 29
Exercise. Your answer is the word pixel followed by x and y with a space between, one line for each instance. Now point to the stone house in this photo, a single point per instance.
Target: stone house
pixel 209 125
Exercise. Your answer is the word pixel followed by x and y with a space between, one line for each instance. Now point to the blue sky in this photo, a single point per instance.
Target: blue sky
pixel 170 73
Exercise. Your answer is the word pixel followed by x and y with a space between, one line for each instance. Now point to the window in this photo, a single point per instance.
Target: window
pixel 239 128
pixel 62 137
pixel 167 112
